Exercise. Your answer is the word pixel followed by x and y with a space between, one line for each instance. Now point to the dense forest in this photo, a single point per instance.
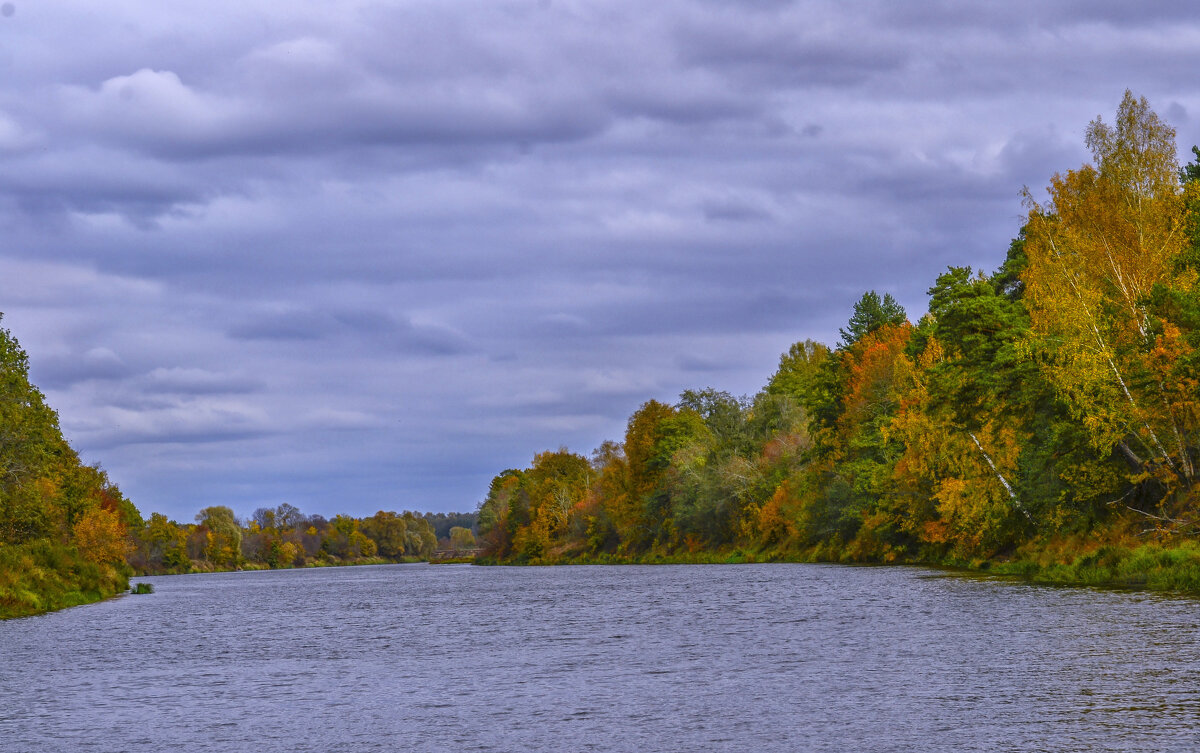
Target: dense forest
pixel 1045 413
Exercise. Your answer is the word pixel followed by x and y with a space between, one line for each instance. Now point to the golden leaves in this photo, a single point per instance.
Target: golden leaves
pixel 101 537
pixel 1111 232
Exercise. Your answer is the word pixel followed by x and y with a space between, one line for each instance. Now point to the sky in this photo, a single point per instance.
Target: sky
pixel 358 256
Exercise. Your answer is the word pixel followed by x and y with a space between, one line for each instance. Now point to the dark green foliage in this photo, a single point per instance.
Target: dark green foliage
pixel 1191 171
pixel 980 329
pixel 725 417
pixel 870 313
pixel 833 516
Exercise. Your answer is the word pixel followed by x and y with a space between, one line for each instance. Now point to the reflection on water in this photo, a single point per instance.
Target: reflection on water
pixel 668 658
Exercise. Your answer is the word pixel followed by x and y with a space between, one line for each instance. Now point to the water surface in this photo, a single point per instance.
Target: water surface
pixel 780 657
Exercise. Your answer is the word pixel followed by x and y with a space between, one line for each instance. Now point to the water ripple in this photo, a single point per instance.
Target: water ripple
pixel 715 658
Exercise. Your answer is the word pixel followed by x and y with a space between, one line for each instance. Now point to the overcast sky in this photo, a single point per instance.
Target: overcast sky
pixel 359 256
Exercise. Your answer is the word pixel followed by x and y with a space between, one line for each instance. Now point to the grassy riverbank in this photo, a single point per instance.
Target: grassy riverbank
pixel 1152 566
pixel 201 566
pixel 39 576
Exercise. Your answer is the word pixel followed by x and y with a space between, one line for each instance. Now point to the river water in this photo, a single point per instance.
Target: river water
pixel 778 657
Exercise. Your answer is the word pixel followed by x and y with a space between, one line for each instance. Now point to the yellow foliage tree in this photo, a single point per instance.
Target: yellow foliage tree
pixel 101 537
pixel 1111 232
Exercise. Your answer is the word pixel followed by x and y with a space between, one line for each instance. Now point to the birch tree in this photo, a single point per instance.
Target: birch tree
pixel 1110 232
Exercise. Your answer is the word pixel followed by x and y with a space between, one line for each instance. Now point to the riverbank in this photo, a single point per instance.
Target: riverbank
pixel 200 566
pixel 38 577
pixel 1150 566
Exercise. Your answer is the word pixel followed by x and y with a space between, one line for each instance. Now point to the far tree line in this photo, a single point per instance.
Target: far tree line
pixel 284 537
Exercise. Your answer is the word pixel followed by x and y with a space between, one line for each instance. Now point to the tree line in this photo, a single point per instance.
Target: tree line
pixel 1052 399
pixel 278 537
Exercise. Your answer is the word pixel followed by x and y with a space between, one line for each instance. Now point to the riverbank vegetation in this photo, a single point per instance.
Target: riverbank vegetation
pixel 1041 419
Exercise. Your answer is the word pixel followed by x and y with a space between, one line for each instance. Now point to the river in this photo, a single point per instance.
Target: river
pixel 777 657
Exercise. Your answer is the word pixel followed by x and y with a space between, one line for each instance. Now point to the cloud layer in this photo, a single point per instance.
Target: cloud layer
pixel 364 256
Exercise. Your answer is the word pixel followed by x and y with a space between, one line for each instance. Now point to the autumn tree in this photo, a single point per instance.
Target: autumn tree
pixel 503 512
pixel 798 370
pixel 419 538
pixel 101 537
pixel 553 485
pixel 594 522
pixel 389 532
pixel 222 536
pixel 462 538
pixel 1112 232
pixel 165 545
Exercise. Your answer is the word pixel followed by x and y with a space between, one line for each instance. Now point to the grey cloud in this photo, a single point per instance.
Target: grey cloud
pixel 766 52
pixel 395 334
pixel 734 211
pixel 311 324
pixel 1016 17
pixel 96 363
pixel 313 96
pixel 702 365
pixel 97 181
pixel 753 5
pixel 1124 15
pixel 431 339
pixel 179 424
pixel 565 323
pixel 296 325
pixel 1028 152
pixel 363 258
pixel 921 181
pixel 193 381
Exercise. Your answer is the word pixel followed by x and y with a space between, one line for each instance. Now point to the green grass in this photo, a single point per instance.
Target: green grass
pixel 41 576
pixel 1156 567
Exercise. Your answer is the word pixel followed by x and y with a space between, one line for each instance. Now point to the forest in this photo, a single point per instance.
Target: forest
pixel 1041 418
